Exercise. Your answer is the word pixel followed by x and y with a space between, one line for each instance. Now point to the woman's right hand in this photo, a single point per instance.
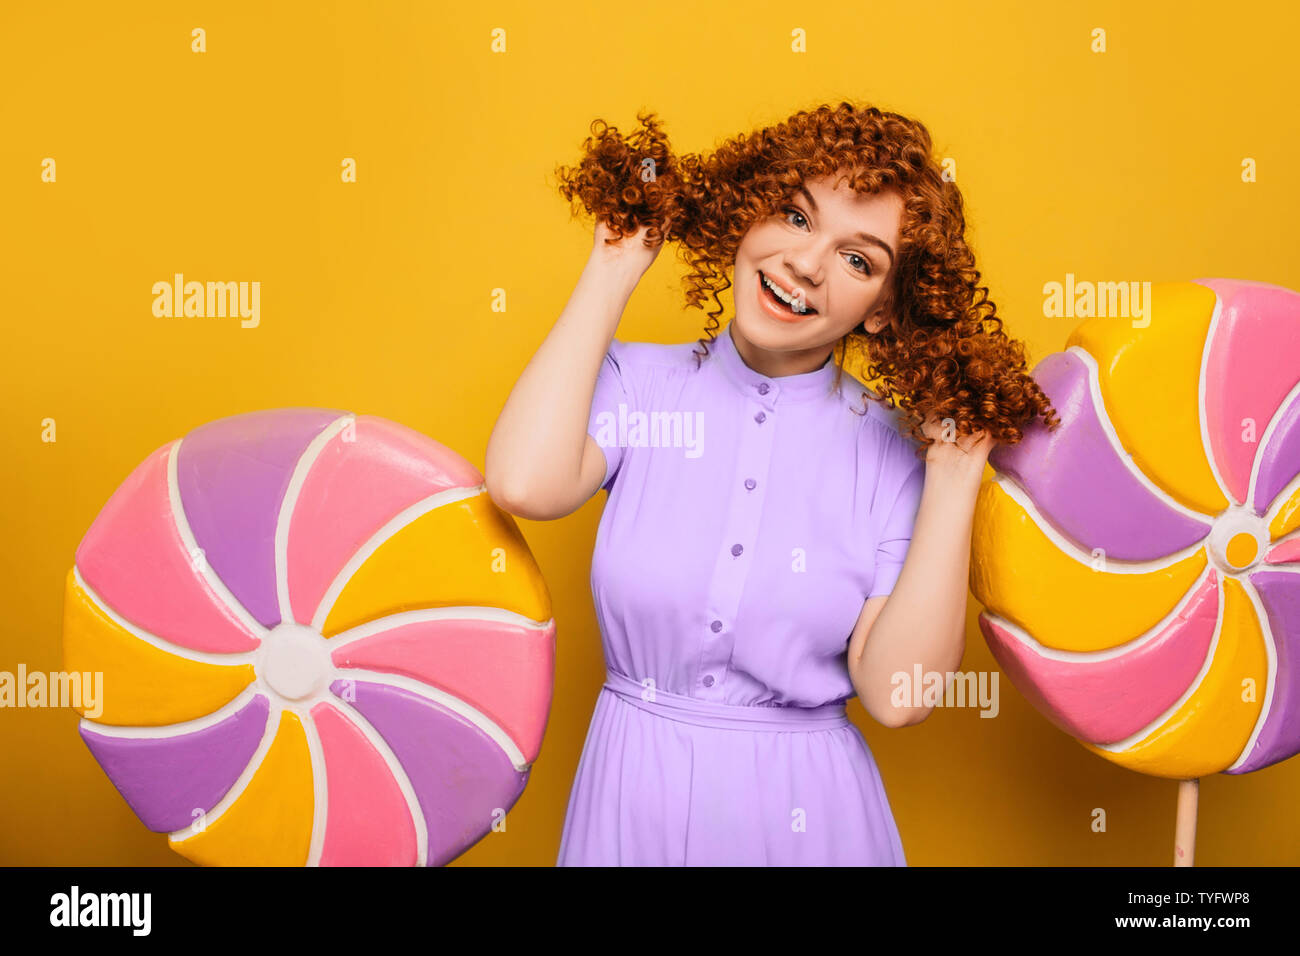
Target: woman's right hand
pixel 630 253
pixel 541 462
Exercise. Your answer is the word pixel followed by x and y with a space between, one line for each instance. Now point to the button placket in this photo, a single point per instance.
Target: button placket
pixel 737 545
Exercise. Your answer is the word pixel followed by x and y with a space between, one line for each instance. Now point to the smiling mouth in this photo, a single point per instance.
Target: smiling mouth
pixel 780 303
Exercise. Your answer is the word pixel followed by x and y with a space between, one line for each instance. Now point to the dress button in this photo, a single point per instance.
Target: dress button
pixel 716 626
pixel 760 417
pixel 708 680
pixel 736 549
pixel 750 483
pixel 764 388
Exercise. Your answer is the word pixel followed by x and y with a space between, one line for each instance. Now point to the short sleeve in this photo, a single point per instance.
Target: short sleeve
pixel 603 422
pixel 896 531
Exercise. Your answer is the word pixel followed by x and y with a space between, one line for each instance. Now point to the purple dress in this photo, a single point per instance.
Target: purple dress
pixel 748 520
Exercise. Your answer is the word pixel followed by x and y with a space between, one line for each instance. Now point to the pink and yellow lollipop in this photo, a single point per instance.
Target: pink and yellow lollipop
pixel 321 644
pixel 1140 566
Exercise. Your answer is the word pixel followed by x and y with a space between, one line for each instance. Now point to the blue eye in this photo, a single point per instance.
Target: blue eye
pixel 867 270
pixel 791 209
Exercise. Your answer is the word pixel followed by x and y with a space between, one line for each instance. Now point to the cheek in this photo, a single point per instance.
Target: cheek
pixel 762 239
pixel 853 298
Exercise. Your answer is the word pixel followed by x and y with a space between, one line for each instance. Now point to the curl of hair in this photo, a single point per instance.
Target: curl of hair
pixel 942 356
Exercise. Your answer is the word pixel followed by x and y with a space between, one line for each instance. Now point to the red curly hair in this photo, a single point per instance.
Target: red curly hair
pixel 944 354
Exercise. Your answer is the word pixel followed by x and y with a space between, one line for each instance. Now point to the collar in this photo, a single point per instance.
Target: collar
pixel 765 389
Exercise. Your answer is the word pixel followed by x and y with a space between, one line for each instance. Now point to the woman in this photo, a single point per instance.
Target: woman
pixel 772 543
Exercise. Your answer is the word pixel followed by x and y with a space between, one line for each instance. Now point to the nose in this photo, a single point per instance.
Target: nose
pixel 804 264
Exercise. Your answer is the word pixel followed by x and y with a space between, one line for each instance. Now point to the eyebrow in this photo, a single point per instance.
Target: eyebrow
pixel 864 236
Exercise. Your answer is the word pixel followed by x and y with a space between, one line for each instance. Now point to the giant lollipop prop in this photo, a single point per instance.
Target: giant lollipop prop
pixel 1140 566
pixel 321 641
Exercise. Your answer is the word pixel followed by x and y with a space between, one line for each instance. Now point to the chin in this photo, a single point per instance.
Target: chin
pixel 765 333
pixel 776 336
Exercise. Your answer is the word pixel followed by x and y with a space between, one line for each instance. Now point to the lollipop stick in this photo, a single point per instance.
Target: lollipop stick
pixel 1185 822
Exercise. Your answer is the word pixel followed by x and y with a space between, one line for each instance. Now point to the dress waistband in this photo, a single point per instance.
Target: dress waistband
pixel 707 713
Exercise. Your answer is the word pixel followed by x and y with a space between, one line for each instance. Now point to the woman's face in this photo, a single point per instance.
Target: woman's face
pixel 832 251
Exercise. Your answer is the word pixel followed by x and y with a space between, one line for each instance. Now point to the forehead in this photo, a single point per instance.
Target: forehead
pixel 834 199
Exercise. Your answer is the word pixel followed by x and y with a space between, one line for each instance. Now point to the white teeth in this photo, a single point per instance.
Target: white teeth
pixel 780 294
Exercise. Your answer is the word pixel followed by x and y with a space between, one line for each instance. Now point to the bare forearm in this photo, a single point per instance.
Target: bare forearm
pixel 924 621
pixel 536 445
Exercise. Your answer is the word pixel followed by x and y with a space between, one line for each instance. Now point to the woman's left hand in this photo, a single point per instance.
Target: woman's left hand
pixel 951 449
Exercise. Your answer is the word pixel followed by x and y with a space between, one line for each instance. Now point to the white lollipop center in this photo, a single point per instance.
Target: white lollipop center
pixel 1238 540
pixel 295 661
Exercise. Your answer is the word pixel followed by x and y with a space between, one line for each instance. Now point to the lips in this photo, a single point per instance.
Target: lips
pixel 776 307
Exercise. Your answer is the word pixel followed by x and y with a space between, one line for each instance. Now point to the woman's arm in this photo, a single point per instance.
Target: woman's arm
pixel 923 620
pixel 540 462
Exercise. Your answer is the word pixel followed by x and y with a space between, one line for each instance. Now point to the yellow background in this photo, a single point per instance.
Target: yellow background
pixel 225 165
